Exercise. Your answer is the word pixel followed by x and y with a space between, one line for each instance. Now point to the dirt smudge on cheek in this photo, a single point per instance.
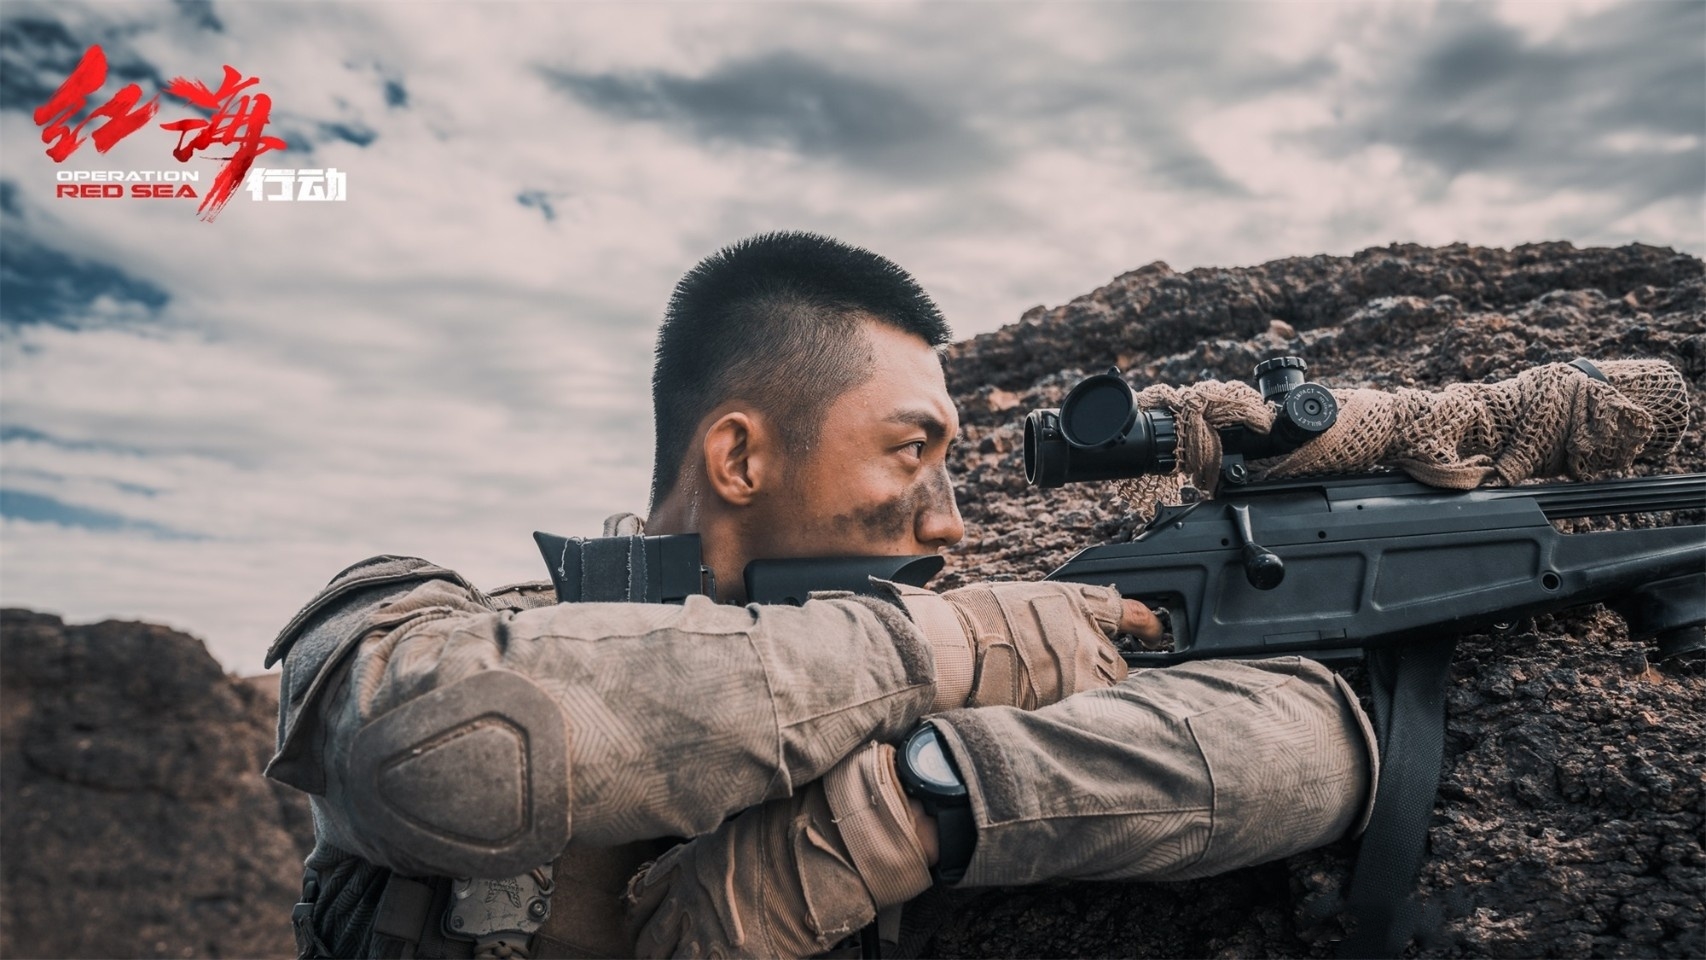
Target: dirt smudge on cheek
pixel 893 520
pixel 887 521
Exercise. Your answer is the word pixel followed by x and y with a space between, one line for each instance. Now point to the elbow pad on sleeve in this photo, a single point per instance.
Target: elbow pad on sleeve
pixel 471 778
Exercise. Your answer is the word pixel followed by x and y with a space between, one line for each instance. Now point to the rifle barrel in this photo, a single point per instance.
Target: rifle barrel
pixel 1683 491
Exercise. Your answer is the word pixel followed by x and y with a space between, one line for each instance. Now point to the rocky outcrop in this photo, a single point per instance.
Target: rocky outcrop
pixel 136 821
pixel 1153 312
pixel 1573 802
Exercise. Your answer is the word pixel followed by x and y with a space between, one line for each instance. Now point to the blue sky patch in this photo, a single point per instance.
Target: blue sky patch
pixel 22 505
pixel 44 285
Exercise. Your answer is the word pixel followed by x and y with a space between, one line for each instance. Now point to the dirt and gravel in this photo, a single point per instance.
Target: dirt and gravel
pixel 1573 800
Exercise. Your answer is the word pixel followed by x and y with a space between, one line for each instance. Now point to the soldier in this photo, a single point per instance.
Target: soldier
pixel 467 751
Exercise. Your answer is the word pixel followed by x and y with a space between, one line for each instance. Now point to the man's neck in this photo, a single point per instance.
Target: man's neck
pixel 679 513
pixel 676 514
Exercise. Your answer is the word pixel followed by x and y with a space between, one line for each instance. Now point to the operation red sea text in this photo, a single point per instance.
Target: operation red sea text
pixel 118 184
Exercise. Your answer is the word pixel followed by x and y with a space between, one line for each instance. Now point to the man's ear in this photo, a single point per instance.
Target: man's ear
pixel 740 456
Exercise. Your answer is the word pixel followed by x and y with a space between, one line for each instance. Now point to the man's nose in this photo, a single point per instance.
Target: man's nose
pixel 940 524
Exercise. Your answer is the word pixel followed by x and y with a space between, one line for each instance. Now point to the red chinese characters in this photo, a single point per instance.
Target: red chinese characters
pixel 236 119
pixel 120 116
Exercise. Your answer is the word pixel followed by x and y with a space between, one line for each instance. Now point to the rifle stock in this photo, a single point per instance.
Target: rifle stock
pixel 669 569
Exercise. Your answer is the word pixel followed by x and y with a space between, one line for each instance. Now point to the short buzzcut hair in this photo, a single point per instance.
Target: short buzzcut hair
pixel 774 320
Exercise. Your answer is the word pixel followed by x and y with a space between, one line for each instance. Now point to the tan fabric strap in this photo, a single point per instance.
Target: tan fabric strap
pixel 955 662
pixel 875 821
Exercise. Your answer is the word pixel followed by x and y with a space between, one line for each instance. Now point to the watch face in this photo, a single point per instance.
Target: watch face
pixel 924 755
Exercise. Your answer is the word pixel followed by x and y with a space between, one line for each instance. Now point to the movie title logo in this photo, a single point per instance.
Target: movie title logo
pixel 233 115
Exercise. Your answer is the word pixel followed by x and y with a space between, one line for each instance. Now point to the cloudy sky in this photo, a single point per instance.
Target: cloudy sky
pixel 201 422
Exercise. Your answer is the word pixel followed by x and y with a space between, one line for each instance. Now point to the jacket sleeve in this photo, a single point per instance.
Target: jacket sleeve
pixel 454 738
pixel 1172 774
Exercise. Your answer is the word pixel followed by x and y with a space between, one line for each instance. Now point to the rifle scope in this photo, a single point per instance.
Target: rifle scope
pixel 1100 433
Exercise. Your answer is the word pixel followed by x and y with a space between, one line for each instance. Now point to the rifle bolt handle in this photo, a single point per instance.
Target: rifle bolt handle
pixel 1262 567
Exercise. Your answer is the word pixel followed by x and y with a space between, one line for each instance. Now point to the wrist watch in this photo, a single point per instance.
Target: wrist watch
pixel 928 774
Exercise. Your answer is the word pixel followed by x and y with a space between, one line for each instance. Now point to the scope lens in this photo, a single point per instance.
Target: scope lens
pixel 1097 412
pixel 1033 453
pixel 1046 453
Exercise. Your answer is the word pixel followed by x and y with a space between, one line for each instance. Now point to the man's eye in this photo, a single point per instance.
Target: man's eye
pixel 917 448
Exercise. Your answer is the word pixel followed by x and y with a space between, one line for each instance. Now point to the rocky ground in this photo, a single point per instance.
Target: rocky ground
pixel 1573 800
pixel 1573 805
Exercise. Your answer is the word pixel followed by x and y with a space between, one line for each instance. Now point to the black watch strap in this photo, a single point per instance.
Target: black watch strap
pixel 929 775
pixel 956 839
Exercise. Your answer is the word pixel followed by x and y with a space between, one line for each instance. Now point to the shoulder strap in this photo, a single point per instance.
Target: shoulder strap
pixel 1408 685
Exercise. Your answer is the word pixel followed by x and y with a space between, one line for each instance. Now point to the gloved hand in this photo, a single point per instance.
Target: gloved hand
pixel 790 878
pixel 1023 644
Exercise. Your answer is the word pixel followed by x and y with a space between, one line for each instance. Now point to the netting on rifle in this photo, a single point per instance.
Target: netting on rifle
pixel 1553 420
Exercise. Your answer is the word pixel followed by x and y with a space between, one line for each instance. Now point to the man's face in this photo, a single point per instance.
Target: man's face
pixel 876 481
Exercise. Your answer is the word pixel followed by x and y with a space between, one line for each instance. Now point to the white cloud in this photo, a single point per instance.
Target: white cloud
pixel 435 368
pixel 1544 20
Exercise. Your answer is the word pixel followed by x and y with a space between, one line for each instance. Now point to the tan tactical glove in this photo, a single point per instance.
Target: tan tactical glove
pixel 1021 645
pixel 790 878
